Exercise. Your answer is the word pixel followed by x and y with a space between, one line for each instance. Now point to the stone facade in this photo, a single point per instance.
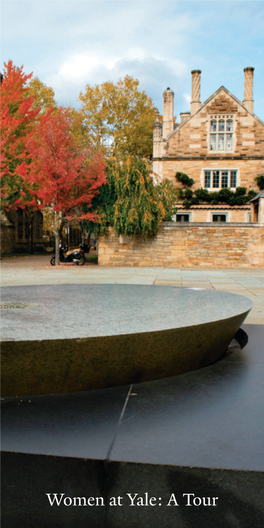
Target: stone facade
pixel 205 212
pixel 7 234
pixel 202 245
pixel 21 232
pixel 222 138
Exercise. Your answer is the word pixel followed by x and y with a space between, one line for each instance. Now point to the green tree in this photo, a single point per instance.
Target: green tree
pixel 167 192
pixel 43 95
pixel 118 118
pixel 130 202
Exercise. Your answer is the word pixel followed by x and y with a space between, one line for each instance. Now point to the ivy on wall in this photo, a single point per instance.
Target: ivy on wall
pixel 260 181
pixel 240 196
pixel 184 179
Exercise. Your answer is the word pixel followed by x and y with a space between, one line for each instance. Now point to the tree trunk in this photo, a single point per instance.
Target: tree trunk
pixel 57 248
pixel 55 229
pixel 31 235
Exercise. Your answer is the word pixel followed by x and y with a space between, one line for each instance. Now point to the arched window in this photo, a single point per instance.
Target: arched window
pixel 229 125
pixel 213 125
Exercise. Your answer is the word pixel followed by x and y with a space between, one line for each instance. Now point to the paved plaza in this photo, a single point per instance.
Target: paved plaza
pixel 200 432
pixel 20 271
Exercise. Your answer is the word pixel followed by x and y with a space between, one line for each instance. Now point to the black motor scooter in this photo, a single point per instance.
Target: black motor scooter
pixel 77 257
pixel 85 247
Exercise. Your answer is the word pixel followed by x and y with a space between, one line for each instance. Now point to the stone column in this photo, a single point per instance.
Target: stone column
pixel 195 101
pixel 168 103
pixel 157 137
pixel 248 89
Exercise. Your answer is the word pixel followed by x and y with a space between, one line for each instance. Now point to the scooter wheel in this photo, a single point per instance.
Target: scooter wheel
pixel 81 261
pixel 52 261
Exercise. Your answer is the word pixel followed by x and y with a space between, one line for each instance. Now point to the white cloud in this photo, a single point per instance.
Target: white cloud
pixel 153 72
pixel 78 66
pixel 68 44
pixel 187 98
pixel 79 43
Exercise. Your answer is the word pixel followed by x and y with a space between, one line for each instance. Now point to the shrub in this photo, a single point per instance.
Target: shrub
pixel 240 191
pixel 184 179
pixel 188 194
pixel 203 195
pixel 224 195
pixel 260 181
pixel 187 204
pixel 251 194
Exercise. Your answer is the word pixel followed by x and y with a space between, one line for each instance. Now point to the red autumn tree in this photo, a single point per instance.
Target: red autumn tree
pixel 62 177
pixel 18 118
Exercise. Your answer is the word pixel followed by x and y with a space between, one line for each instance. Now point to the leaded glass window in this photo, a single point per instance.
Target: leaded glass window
pixel 229 141
pixel 213 125
pixel 216 179
pixel 233 178
pixel 224 179
pixel 221 142
pixel 221 138
pixel 213 142
pixel 207 179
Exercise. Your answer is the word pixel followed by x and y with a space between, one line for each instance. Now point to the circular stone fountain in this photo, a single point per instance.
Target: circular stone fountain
pixel 68 338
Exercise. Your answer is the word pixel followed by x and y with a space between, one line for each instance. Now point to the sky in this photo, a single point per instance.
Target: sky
pixel 69 44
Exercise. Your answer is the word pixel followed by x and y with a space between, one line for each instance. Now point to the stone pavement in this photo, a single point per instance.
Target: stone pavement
pixel 37 270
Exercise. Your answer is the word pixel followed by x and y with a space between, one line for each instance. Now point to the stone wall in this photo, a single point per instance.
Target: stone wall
pixel 203 245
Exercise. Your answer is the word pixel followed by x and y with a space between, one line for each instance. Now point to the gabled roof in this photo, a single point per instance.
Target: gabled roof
pixel 206 103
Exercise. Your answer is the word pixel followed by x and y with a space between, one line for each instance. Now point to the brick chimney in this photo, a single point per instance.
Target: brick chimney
pixel 248 89
pixel 184 116
pixel 168 103
pixel 195 101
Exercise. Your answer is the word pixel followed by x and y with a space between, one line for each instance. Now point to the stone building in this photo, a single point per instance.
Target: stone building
pixel 219 144
pixel 21 232
pixel 257 211
pixel 7 234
